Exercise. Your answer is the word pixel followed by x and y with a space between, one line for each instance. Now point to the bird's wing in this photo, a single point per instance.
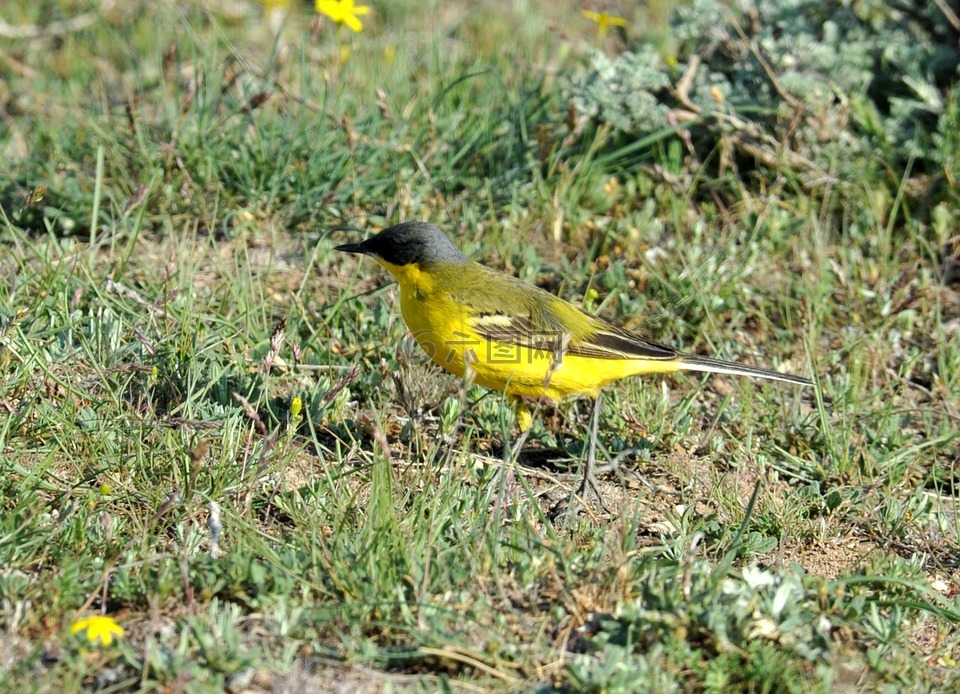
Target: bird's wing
pixel 506 310
pixel 601 341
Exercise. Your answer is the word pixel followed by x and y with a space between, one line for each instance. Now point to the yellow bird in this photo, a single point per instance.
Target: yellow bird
pixel 514 337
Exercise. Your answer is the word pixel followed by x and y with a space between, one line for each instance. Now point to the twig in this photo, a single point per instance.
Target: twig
pixel 133 295
pixel 785 95
pixel 36 31
pixel 948 13
pixel 682 90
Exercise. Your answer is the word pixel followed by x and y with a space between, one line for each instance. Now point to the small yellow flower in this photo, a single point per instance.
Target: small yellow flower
pixel 604 21
pixel 98 628
pixel 295 406
pixel 343 12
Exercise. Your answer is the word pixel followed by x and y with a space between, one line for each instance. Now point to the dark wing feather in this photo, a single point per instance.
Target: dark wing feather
pixel 611 342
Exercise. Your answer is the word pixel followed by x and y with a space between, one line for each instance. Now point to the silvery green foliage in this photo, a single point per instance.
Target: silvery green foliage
pixel 623 92
pixel 632 649
pixel 830 80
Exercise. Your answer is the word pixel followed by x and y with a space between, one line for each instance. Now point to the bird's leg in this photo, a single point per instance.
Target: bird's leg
pixel 524 423
pixel 517 446
pixel 523 415
pixel 589 481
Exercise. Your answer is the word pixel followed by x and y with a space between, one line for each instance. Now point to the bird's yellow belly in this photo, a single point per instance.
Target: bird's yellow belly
pixel 441 328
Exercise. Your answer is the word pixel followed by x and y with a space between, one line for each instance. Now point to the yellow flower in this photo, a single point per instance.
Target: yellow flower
pixel 98 628
pixel 604 21
pixel 295 406
pixel 343 12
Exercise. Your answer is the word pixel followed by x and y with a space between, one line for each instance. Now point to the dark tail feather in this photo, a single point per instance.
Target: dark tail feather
pixel 694 362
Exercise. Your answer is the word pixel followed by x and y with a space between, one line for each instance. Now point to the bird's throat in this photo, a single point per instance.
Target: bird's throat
pixel 410 278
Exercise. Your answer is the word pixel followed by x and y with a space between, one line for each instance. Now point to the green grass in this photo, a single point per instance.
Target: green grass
pixel 176 289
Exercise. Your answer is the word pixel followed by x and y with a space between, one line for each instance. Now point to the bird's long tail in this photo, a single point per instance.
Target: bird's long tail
pixel 694 362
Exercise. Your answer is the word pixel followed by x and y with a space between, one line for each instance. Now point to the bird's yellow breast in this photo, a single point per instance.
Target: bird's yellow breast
pixel 443 329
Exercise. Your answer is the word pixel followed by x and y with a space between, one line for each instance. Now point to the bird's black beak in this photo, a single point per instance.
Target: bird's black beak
pixel 352 248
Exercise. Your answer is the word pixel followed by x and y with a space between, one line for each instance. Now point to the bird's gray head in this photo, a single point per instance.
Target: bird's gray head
pixel 408 243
